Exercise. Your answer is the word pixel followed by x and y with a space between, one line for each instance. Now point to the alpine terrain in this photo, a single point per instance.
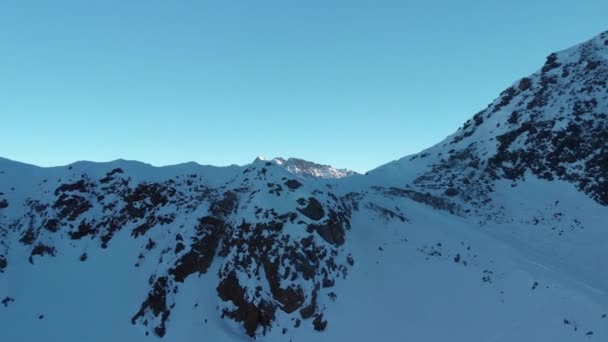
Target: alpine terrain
pixel 497 233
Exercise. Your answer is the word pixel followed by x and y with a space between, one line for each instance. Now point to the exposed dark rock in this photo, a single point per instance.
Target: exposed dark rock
pixel 309 310
pixel 251 315
pixel 386 213
pixel 350 260
pixel 52 225
pixel 225 205
pixel 79 186
pixel 332 230
pixel 84 229
pixel 156 302
pixel 290 298
pixel 478 118
pixel 41 250
pixel 451 192
pixel 319 323
pixel 7 300
pixel 150 245
pixel 179 247
pixel 426 198
pixel 547 153
pixel 28 237
pixel 293 184
pixel 513 118
pixel 314 209
pixel 151 221
pixel 524 84
pixel 551 63
pixel 70 207
pixel 202 251
pixel 145 197
pixel 109 175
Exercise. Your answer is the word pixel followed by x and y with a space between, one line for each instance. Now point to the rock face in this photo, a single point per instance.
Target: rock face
pixel 274 238
pixel 229 222
pixel 308 169
pixel 552 125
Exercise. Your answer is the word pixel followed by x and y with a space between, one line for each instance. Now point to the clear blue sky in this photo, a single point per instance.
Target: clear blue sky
pixel 352 83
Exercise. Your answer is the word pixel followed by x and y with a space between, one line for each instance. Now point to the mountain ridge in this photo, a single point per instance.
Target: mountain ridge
pixel 502 224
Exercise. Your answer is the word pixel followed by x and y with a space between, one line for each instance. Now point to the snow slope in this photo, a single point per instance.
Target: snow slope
pixel 498 233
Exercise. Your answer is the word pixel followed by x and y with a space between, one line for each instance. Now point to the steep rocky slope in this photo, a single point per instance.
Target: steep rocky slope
pixel 546 132
pixel 552 125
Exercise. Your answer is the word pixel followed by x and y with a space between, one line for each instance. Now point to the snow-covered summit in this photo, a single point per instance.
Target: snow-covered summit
pixel 552 124
pixel 304 168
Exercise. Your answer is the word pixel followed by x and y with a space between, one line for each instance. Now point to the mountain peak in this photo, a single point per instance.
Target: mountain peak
pixel 307 169
pixel 552 124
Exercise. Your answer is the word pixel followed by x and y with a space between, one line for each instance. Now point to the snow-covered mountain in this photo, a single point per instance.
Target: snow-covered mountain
pixel 498 233
pixel 305 168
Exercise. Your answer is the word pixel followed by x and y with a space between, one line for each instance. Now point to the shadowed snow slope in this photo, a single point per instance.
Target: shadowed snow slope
pixel 498 233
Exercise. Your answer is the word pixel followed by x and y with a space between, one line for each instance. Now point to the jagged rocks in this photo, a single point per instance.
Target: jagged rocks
pixel 3 263
pixel 451 192
pixel 179 247
pixel 513 118
pixel 41 249
pixel 251 315
pixel 386 213
pixel 282 272
pixel 79 186
pixel 524 84
pixel 202 251
pixel 70 207
pixel 551 63
pixel 293 184
pixel 550 154
pixel 84 229
pixel 52 225
pixel 151 221
pixel 7 300
pixel 109 175
pixel 313 210
pixel 290 298
pixel 319 323
pixel 225 205
pixel 145 197
pixel 28 237
pixel 309 310
pixel 331 231
pixel 425 198
pixel 157 303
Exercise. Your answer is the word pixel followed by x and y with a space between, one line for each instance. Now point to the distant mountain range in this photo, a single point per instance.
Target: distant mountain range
pixel 497 233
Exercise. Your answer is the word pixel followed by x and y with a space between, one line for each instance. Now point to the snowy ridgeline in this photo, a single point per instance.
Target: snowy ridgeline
pixel 498 233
